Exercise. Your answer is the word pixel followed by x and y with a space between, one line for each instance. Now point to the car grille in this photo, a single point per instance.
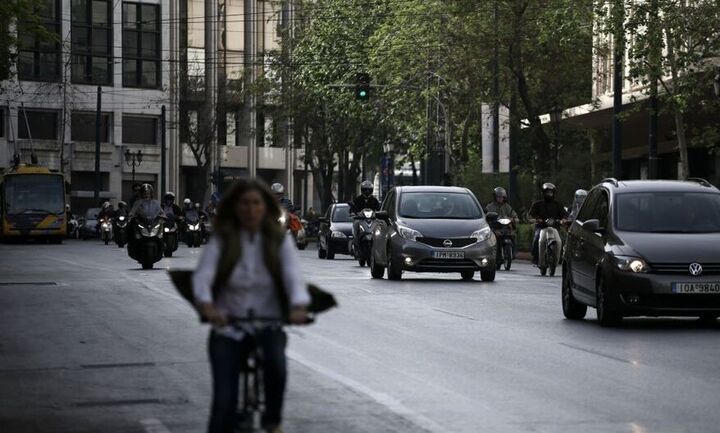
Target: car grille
pixel 445 263
pixel 684 268
pixel 438 242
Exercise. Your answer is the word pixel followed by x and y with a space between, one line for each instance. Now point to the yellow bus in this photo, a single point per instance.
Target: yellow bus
pixel 32 204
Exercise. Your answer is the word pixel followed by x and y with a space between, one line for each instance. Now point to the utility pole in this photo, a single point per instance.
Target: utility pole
pixel 98 118
pixel 211 50
pixel 250 57
pixel 163 153
pixel 654 65
pixel 618 16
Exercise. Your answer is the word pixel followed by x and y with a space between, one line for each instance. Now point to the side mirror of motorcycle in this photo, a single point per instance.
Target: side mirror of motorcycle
pixel 593 226
pixel 492 217
pixel 382 215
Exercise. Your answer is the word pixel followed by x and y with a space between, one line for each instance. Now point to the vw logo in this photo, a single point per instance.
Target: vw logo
pixel 696 269
pixel 447 243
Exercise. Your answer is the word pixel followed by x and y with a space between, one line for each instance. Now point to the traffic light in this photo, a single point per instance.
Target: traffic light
pixel 362 88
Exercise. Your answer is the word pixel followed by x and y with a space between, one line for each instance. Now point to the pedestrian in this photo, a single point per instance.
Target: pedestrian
pixel 250 266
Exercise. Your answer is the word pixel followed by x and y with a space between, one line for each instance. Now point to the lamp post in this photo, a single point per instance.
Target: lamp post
pixel 133 159
pixel 555 118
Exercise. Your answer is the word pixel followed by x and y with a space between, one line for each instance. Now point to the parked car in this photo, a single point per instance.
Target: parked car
pixel 432 229
pixel 88 224
pixel 644 248
pixel 335 231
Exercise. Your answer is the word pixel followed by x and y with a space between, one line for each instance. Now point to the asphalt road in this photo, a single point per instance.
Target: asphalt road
pixel 90 343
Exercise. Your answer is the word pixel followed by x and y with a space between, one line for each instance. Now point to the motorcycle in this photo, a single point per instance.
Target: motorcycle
pixel 295 227
pixel 549 247
pixel 194 229
pixel 73 228
pixel 503 229
pixel 170 237
pixel 106 230
pixel 361 243
pixel 120 230
pixel 147 246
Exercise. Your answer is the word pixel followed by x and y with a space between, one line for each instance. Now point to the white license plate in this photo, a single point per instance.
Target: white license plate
pixel 696 288
pixel 448 255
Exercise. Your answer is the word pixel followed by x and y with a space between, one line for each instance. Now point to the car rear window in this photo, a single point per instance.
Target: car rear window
pixel 439 205
pixel 341 214
pixel 668 212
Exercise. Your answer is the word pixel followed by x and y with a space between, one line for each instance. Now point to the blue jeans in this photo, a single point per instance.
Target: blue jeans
pixel 227 359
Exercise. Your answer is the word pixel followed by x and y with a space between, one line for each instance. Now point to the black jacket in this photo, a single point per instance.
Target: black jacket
pixel 543 209
pixel 361 202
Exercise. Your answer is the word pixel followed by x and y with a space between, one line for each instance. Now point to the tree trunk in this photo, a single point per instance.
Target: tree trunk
pixel 684 166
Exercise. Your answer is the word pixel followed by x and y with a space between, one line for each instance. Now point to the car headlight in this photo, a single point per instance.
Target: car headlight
pixel 338 235
pixel 482 235
pixel 408 233
pixel 631 264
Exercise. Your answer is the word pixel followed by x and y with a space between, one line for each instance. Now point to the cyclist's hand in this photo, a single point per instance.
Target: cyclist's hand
pixel 298 316
pixel 212 315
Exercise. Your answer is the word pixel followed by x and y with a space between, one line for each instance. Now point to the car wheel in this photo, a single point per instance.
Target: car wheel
pixel 301 247
pixel 488 276
pixel 572 309
pixel 376 270
pixel 322 254
pixel 330 254
pixel 551 270
pixel 543 271
pixel 607 315
pixel 362 263
pixel 508 257
pixel 167 253
pixel 393 269
pixel 147 265
pixel 467 275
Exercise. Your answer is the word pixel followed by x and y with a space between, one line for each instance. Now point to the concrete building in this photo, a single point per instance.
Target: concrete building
pixel 48 103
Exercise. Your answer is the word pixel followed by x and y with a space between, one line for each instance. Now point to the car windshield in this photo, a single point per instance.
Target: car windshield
pixel 668 212
pixel 341 214
pixel 439 205
pixel 35 193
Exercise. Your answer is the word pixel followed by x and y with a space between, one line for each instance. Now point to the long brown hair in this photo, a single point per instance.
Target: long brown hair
pixel 227 220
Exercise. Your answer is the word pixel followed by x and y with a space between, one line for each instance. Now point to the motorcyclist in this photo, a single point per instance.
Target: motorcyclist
pixel 187 205
pixel 172 211
pixel 366 199
pixel 279 192
pixel 580 196
pixel 147 207
pixel 68 213
pixel 106 211
pixel 500 206
pixel 122 209
pixel 542 210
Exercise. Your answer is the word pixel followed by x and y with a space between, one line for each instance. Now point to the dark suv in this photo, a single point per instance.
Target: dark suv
pixel 644 248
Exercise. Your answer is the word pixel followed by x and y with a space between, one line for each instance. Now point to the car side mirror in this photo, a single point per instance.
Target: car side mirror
pixel 492 216
pixel 382 215
pixel 322 220
pixel 593 226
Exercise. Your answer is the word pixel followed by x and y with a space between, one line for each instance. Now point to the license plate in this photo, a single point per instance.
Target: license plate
pixel 696 288
pixel 449 255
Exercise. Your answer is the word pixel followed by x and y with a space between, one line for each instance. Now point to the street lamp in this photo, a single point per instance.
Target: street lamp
pixel 555 118
pixel 133 159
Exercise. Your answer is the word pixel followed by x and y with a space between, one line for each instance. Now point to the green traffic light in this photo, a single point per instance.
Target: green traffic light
pixel 363 93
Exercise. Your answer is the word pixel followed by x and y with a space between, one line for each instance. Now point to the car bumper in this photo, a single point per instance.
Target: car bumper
pixel 339 245
pixel 418 257
pixel 651 295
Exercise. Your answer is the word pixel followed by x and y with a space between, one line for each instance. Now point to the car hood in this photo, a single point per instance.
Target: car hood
pixel 342 227
pixel 444 228
pixel 673 247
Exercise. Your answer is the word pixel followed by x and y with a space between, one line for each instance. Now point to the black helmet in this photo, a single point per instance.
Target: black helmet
pixel 500 192
pixel 366 188
pixel 121 204
pixel 169 196
pixel 147 188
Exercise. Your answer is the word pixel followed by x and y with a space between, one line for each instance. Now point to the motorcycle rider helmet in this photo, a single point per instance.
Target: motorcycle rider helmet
pixel 197 206
pixel 277 188
pixel 106 205
pixel 147 189
pixel 500 192
pixel 580 196
pixel 548 190
pixel 121 205
pixel 187 202
pixel 67 207
pixel 169 196
pixel 366 188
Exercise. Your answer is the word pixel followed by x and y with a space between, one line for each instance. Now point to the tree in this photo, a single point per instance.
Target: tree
pixel 12 13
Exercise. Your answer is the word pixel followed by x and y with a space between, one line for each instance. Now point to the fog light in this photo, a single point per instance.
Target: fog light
pixel 484 262
pixel 408 261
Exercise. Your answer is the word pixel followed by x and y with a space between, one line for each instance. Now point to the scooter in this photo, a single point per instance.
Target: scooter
pixel 170 235
pixel 503 229
pixel 295 227
pixel 549 247
pixel 120 230
pixel 106 230
pixel 73 228
pixel 147 246
pixel 361 243
pixel 193 229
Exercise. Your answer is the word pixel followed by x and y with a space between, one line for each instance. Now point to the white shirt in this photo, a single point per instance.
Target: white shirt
pixel 250 286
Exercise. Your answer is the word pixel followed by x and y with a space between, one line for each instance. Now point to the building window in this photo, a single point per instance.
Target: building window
pixel 83 127
pixel 139 129
pixel 43 125
pixel 141 45
pixel 39 55
pixel 92 42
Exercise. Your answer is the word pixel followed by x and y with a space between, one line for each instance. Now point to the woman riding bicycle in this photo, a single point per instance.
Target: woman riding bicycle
pixel 250 267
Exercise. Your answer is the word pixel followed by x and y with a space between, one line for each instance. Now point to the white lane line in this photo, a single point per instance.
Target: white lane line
pixel 152 425
pixel 450 313
pixel 383 399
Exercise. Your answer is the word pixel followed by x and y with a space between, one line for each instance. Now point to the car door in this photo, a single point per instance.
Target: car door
pixel 594 250
pixel 382 233
pixel 576 243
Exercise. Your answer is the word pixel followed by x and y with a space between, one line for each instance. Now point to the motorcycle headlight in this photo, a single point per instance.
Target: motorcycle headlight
pixel 282 219
pixel 631 264
pixel 338 235
pixel 156 230
pixel 409 233
pixel 121 218
pixel 167 230
pixel 482 235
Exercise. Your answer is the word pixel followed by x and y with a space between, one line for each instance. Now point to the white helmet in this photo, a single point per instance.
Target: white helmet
pixel 277 188
pixel 187 201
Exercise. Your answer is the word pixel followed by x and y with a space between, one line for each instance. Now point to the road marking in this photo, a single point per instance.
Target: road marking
pixel 383 399
pixel 604 355
pixel 450 313
pixel 152 425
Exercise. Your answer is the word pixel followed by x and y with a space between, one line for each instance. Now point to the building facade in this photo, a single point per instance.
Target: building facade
pixel 117 56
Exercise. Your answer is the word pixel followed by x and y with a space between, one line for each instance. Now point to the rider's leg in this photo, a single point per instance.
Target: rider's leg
pixel 535 246
pixel 226 357
pixel 272 343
